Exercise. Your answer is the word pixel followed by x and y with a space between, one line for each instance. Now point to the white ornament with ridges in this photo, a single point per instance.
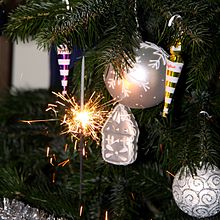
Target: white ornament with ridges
pixel 198 195
pixel 120 136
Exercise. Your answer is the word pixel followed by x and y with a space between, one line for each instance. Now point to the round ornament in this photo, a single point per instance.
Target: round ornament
pixel 198 195
pixel 143 85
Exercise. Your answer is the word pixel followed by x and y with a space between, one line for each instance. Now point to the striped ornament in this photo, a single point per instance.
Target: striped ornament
pixel 173 71
pixel 63 55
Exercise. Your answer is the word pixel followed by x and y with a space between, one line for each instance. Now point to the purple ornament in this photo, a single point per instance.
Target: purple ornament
pixel 63 55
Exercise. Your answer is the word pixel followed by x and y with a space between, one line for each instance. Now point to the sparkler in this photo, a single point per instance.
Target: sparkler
pixel 38 120
pixel 79 121
pixel 80 210
pixel 75 120
pixel 106 215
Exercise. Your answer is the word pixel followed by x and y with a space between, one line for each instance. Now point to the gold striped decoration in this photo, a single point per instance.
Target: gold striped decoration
pixel 172 76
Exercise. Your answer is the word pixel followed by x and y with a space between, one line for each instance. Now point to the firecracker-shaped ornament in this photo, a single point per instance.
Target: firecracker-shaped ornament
pixel 198 195
pixel 173 70
pixel 63 55
pixel 120 136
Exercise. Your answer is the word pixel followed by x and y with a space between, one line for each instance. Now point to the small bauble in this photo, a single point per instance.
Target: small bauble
pixel 198 195
pixel 143 85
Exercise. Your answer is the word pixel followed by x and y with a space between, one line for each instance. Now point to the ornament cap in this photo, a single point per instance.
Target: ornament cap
pixel 176 48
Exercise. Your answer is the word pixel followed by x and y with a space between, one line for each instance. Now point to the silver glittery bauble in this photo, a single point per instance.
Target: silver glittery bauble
pixel 17 210
pixel 198 195
pixel 143 85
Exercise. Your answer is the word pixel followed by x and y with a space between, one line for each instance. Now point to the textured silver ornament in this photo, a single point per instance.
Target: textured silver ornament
pixel 17 210
pixel 198 195
pixel 143 85
pixel 120 136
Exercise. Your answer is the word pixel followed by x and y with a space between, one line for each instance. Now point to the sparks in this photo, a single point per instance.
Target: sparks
pixel 106 215
pixel 39 120
pixel 63 163
pixel 48 151
pixel 80 210
pixel 87 121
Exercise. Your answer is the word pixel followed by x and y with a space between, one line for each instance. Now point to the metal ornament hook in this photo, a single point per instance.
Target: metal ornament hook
pixel 171 21
pixel 206 114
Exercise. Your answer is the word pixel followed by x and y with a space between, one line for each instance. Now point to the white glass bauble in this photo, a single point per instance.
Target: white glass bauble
pixel 198 195
pixel 143 85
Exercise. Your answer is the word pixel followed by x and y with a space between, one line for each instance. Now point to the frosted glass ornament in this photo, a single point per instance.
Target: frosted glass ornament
pixel 143 85
pixel 198 195
pixel 120 136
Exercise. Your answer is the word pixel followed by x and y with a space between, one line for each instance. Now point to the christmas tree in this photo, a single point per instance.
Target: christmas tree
pixel 43 168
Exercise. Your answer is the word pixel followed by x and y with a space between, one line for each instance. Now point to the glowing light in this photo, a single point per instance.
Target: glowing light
pixel 51 161
pixel 87 121
pixel 48 151
pixel 75 120
pixel 39 120
pixel 65 147
pixel 83 118
pixel 54 178
pixel 84 151
pixel 80 210
pixel 106 215
pixel 63 163
pixel 75 144
pixel 170 173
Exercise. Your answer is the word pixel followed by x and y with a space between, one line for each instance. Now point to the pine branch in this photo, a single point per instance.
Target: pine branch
pixel 209 140
pixel 50 22
pixel 11 183
pixel 34 18
pixel 107 31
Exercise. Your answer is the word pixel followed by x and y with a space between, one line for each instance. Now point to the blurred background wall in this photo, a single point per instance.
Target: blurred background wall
pixel 22 66
pixel 30 67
